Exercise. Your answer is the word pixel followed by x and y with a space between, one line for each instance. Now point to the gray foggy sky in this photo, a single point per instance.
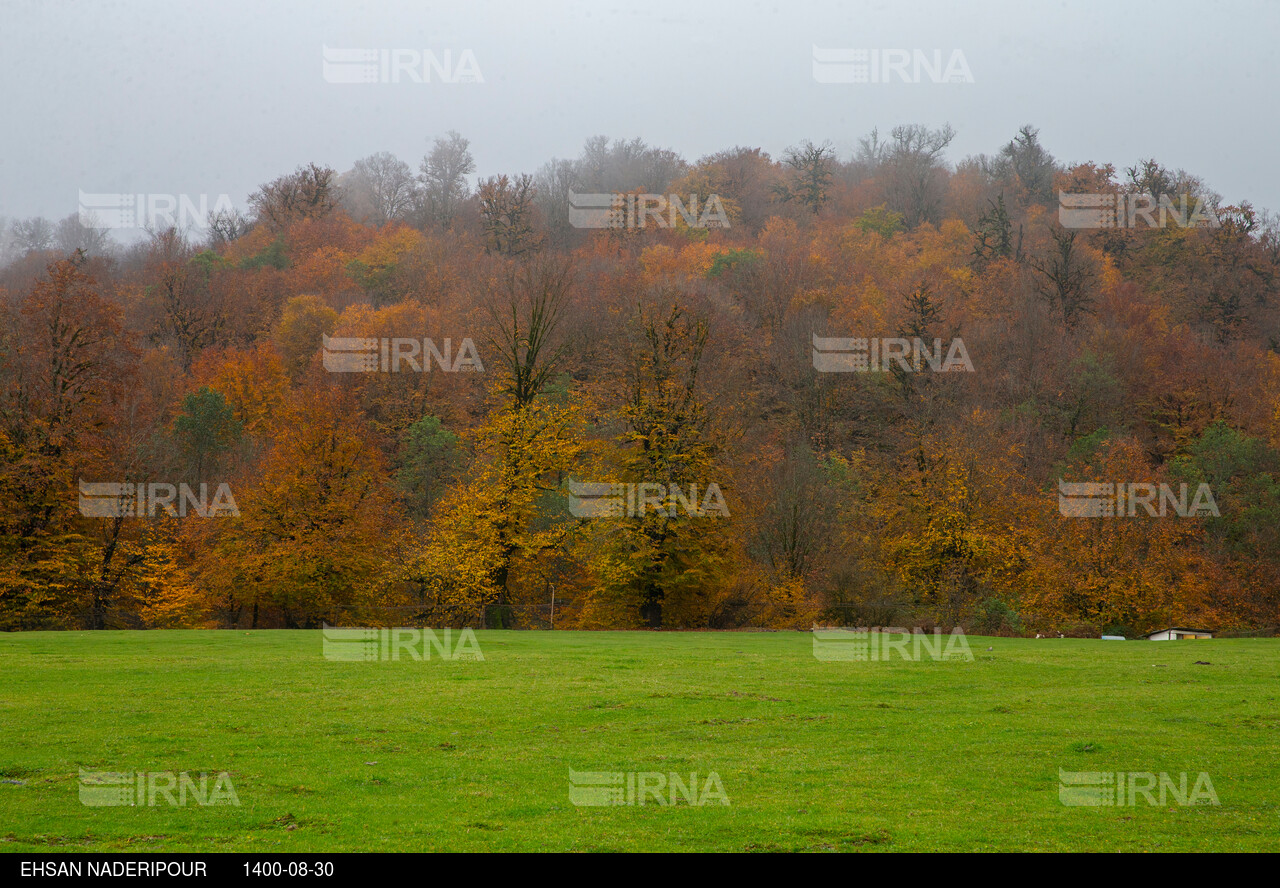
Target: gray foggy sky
pixel 186 98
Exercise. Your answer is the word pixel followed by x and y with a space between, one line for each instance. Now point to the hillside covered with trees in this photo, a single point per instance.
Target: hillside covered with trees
pixel 663 360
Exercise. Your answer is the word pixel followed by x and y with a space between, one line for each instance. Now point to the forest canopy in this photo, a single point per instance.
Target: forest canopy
pixel 594 395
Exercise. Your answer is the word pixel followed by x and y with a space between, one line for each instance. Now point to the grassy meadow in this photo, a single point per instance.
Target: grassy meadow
pixel 475 754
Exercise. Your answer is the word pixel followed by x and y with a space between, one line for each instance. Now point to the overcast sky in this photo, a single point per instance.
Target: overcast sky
pixel 197 98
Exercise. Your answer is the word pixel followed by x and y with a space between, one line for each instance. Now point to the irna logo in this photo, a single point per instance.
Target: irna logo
pixel 1107 789
pixel 399 66
pixel 838 355
pixel 1124 211
pixel 396 354
pixel 625 210
pixel 592 789
pixel 1102 499
pixel 102 789
pixel 149 211
pixel 147 500
pixel 889 66
pixel 364 645
pixel 878 645
pixel 605 499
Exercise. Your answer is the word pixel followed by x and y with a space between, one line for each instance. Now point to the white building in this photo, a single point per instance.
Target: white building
pixel 1177 633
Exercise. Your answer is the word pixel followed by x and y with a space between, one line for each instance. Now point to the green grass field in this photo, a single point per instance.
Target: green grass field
pixel 465 755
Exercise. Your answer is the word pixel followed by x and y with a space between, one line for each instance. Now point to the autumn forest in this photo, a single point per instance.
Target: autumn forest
pixel 665 364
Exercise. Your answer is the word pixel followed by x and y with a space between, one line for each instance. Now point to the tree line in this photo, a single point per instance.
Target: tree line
pixel 652 363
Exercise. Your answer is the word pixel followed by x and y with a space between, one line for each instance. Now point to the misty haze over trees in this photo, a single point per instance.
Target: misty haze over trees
pixel 670 354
